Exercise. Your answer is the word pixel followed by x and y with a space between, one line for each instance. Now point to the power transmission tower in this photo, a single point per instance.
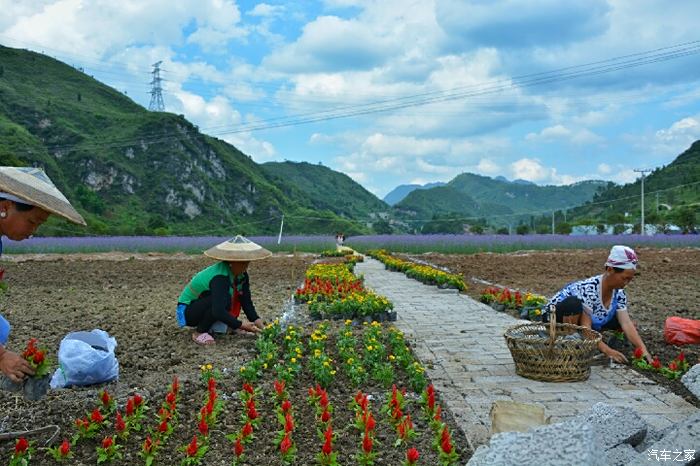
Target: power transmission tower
pixel 156 103
pixel 643 171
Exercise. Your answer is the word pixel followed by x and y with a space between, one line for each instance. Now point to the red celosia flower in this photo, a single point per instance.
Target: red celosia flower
pixel 163 426
pixel 279 387
pixel 445 434
pixel 21 446
pixel 286 406
pixel 64 449
pixel 129 407
pixel 107 443
pixel 327 448
pixel 323 400
pixel 164 414
pixel 370 423
pixel 238 448
pixel 247 430
pixel 325 416
pixel 210 406
pixel 638 353
pixel 248 388
pixel 176 385
pixel 250 403
pixel 147 445
pixel 192 448
pixel 211 384
pixel 681 357
pixel 438 414
pixel 96 416
pixel 312 393
pixel 252 414
pixel 288 423
pixel 412 455
pixel 446 441
pixel 673 366
pixel 170 398
pixel 203 427
pixel 38 357
pixel 119 424
pixel 105 398
pixel 286 444
pixel 656 364
pixel 328 434
pixel 367 443
pixel 138 400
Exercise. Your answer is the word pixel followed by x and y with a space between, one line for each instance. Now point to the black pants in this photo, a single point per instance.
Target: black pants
pixel 200 313
pixel 572 306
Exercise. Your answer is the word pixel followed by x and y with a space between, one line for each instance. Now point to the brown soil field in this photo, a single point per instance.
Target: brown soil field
pixel 133 297
pixel 666 285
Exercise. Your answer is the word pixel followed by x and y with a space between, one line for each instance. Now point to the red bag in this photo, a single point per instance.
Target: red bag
pixel 679 331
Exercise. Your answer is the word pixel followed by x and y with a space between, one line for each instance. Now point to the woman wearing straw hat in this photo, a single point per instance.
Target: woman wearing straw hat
pixel 600 302
pixel 27 198
pixel 215 296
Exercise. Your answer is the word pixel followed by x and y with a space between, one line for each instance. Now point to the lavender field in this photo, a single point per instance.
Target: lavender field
pixel 456 244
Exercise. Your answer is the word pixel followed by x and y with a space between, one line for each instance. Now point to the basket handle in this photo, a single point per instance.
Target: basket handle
pixel 552 324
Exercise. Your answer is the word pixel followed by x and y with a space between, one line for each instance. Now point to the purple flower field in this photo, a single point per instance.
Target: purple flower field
pixel 186 244
pixel 459 244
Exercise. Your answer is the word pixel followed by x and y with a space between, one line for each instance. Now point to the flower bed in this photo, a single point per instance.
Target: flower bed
pixel 423 273
pixel 299 401
pixel 528 306
pixel 332 291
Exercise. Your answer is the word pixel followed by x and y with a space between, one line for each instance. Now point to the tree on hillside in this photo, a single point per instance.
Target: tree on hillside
pixel 685 218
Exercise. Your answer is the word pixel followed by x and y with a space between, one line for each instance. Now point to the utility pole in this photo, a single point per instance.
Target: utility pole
pixel 552 222
pixel 156 103
pixel 643 171
pixel 657 203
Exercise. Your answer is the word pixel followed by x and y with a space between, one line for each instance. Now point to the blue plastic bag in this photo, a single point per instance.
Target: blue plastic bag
pixel 86 358
pixel 4 330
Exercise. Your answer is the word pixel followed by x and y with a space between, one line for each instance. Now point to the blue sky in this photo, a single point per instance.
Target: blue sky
pixel 398 91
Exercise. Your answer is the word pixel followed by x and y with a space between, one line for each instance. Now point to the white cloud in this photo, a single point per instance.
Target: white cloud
pixel 266 10
pixel 556 133
pixel 604 169
pixel 488 167
pixel 679 135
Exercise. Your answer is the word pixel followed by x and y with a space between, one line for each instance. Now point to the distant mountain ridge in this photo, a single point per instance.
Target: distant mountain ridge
pixel 401 191
pixel 470 195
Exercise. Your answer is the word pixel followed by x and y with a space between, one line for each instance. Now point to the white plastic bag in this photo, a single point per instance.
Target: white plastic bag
pixel 86 358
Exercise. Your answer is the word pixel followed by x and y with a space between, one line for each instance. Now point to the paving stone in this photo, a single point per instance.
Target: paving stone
pixel 553 445
pixel 614 426
pixel 621 455
pixel 679 445
pixel 691 380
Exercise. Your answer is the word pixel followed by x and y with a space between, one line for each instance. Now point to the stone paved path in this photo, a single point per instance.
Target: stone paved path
pixel 461 343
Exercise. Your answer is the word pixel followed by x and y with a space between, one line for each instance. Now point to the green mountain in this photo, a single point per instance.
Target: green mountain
pixel 498 201
pixel 131 171
pixel 672 196
pixel 320 187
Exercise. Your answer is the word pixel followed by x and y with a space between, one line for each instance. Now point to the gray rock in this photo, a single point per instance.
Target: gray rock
pixel 613 425
pixel 8 385
pixel 691 380
pixel 621 454
pixel 680 445
pixel 551 445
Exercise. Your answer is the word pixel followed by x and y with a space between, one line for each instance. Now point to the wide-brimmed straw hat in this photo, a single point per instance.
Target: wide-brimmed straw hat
pixel 32 186
pixel 238 249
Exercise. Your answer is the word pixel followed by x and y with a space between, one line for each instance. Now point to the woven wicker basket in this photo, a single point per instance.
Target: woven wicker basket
pixel 550 358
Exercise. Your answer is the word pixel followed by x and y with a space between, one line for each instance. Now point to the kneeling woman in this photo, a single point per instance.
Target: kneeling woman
pixel 600 302
pixel 217 294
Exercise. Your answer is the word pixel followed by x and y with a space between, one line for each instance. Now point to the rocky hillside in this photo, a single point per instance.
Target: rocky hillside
pixel 131 171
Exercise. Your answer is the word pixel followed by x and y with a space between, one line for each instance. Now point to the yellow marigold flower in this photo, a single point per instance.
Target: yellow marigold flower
pixel 365 323
pixel 293 360
pixel 242 369
pixel 287 338
pixel 348 322
pixel 370 348
pixel 350 360
pixel 348 334
pixel 317 352
pixel 209 366
pixel 326 364
pixel 264 365
pixel 391 357
pixel 376 324
pixel 333 372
